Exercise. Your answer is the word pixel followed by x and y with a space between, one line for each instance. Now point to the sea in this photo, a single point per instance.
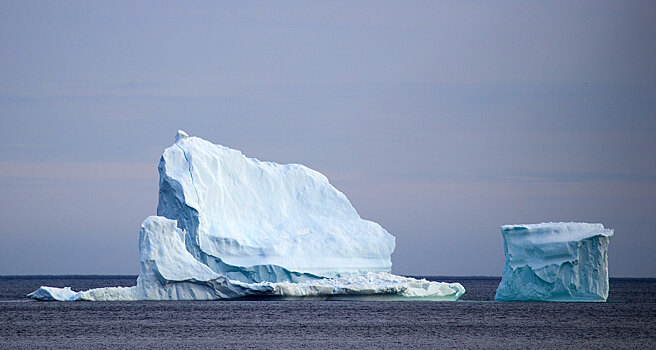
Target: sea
pixel 476 321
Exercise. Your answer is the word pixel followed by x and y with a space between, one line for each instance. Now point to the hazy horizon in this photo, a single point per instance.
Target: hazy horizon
pixel 441 121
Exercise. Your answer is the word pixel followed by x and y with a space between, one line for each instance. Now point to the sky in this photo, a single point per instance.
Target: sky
pixel 439 120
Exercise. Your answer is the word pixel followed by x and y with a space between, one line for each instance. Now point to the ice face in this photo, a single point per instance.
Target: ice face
pixel 230 226
pixel 555 262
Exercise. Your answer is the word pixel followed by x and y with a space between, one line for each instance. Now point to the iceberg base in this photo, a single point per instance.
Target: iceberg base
pixel 367 287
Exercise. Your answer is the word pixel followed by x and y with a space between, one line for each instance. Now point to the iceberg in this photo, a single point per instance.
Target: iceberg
pixel 228 226
pixel 565 261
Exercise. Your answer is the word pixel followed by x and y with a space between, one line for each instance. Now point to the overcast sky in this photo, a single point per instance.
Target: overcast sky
pixel 439 120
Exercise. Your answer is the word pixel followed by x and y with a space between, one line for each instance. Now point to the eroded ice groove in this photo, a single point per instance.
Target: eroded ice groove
pixel 555 262
pixel 230 226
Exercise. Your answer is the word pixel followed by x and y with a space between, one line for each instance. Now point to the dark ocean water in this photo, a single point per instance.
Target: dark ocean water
pixel 627 320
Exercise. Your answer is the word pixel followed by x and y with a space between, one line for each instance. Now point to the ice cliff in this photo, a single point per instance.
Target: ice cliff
pixel 229 226
pixel 555 262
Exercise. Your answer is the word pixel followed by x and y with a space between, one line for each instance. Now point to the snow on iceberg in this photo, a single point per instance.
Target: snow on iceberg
pixel 555 262
pixel 230 226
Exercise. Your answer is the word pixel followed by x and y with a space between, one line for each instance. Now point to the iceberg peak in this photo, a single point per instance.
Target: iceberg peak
pixel 255 221
pixel 181 135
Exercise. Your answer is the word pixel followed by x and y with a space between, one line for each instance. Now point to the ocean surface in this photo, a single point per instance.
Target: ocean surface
pixel 626 321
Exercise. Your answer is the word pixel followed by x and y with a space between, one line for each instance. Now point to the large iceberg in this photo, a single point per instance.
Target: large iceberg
pixel 230 226
pixel 555 262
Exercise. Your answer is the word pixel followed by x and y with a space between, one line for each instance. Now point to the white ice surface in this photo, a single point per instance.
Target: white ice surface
pixel 555 262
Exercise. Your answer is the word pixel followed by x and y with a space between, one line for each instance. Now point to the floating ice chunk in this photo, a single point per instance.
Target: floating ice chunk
pixel 555 262
pixel 52 293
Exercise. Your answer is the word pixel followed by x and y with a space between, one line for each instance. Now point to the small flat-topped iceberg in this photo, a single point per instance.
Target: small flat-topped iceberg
pixel 566 261
pixel 230 226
